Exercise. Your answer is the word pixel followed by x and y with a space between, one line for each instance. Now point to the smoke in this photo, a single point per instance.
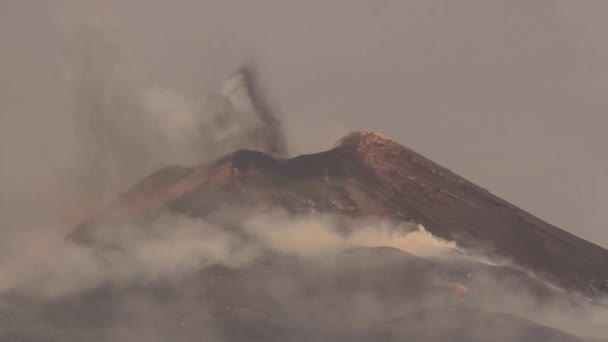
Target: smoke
pixel 126 129
pixel 174 245
pixel 313 236
pixel 115 126
pixel 246 265
pixel 174 250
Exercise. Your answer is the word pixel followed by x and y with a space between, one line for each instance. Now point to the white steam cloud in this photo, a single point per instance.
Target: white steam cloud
pixel 311 236
pixel 174 246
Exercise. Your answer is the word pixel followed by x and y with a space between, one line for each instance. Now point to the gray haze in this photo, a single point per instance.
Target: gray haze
pixel 509 94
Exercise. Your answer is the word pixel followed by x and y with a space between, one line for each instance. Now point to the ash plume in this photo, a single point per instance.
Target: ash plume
pixel 126 129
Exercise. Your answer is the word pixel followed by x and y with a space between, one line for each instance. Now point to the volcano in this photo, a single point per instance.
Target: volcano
pixel 368 174
pixel 502 274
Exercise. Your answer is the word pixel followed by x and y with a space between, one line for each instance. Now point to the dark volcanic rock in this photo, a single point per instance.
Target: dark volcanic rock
pixel 369 174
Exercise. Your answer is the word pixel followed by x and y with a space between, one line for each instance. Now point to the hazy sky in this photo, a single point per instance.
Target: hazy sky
pixel 510 94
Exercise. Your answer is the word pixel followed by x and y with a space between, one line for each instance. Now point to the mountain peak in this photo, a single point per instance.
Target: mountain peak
pixel 364 138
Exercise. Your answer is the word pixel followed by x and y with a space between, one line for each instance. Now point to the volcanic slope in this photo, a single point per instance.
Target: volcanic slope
pixel 368 174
